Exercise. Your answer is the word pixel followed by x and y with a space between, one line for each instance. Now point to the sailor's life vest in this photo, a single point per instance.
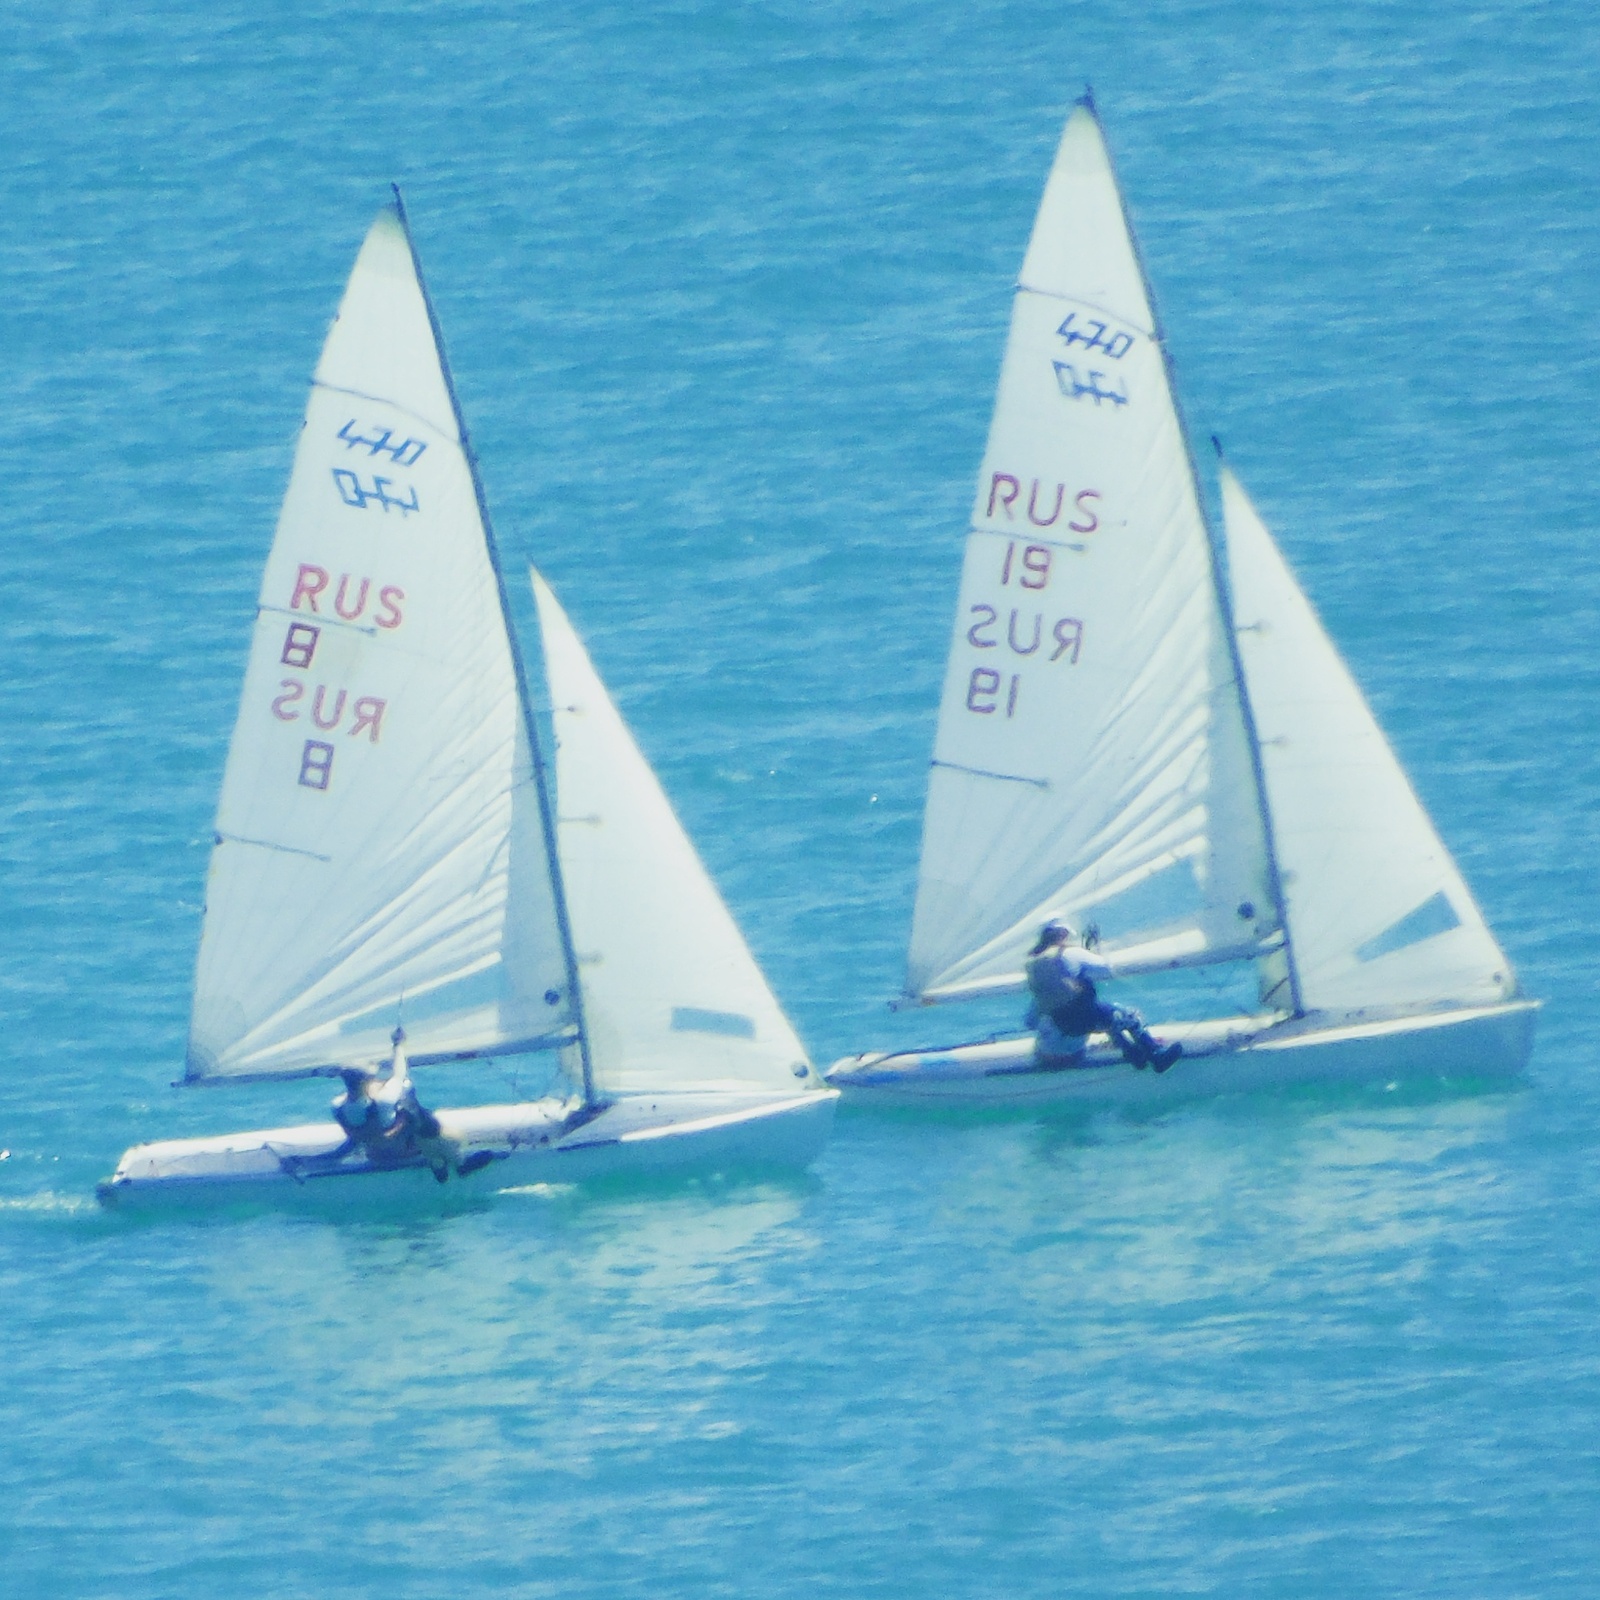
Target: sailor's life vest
pixel 353 1115
pixel 1069 1002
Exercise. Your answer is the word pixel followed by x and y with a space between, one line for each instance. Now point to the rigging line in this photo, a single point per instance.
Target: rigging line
pixel 1152 334
pixel 1218 581
pixel 1031 535
pixel 267 844
pixel 1258 770
pixel 558 891
pixel 510 1047
pixel 384 400
pixel 332 622
pixel 979 772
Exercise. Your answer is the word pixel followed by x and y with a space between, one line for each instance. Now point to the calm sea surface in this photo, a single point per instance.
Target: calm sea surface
pixel 725 288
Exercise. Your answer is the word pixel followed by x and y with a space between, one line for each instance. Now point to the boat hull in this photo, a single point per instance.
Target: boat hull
pixel 1236 1055
pixel 543 1141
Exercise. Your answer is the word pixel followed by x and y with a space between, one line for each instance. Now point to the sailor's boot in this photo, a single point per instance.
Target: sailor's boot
pixel 1127 1034
pixel 1140 1048
pixel 1153 1055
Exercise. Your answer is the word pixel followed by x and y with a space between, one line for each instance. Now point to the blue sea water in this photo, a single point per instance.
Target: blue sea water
pixel 725 288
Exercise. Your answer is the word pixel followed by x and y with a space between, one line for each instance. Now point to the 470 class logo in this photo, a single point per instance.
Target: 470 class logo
pixel 382 492
pixel 1086 339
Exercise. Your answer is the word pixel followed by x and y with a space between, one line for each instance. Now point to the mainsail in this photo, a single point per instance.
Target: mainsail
pixel 671 994
pixel 1378 913
pixel 380 856
pixel 1092 759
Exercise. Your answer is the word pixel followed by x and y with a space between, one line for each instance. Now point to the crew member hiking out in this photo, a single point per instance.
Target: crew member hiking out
pixel 382 1119
pixel 356 1113
pixel 409 1130
pixel 1064 1009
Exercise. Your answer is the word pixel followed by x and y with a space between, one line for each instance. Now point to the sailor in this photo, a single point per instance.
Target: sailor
pixel 406 1127
pixel 1064 1008
pixel 356 1112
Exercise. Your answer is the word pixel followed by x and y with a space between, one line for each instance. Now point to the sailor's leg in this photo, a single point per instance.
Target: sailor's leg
pixel 441 1154
pixel 300 1167
pixel 1120 1027
pixel 1136 1044
pixel 1053 1049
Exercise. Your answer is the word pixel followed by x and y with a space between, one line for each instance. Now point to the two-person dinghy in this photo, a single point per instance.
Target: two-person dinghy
pixel 388 854
pixel 1127 738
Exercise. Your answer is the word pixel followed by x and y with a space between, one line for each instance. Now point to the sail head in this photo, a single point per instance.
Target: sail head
pixel 1091 761
pixel 378 857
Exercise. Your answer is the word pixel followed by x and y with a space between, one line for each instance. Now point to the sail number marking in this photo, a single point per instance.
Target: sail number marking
pixel 299 645
pixel 1035 572
pixel 1025 635
pixel 366 711
pixel 1005 489
pixel 330 708
pixel 316 765
pixel 349 602
pixel 1067 633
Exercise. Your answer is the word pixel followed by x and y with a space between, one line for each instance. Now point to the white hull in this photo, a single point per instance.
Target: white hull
pixel 540 1141
pixel 1235 1055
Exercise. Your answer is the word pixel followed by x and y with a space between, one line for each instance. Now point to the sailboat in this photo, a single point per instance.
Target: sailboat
pixel 390 862
pixel 1145 731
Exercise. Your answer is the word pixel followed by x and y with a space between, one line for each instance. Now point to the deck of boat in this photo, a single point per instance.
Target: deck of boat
pixel 1221 1056
pixel 549 1141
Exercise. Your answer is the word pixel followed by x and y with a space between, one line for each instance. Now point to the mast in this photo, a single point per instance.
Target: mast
pixel 1218 581
pixel 1258 771
pixel 540 779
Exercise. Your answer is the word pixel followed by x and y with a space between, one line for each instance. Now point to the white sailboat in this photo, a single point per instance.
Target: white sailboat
pixel 1129 739
pixel 387 852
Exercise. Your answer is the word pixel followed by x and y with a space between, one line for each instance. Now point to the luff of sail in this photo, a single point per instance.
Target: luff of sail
pixel 672 996
pixel 379 857
pixel 1091 760
pixel 1379 915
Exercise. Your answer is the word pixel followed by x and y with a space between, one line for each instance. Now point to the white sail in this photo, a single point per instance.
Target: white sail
pixel 671 994
pixel 379 853
pixel 1378 913
pixel 1091 760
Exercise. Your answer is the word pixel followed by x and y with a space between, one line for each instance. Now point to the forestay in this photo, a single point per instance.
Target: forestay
pixel 1378 914
pixel 671 994
pixel 379 852
pixel 1091 759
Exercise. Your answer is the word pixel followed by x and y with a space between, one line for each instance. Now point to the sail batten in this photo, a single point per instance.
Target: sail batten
pixel 379 857
pixel 1090 667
